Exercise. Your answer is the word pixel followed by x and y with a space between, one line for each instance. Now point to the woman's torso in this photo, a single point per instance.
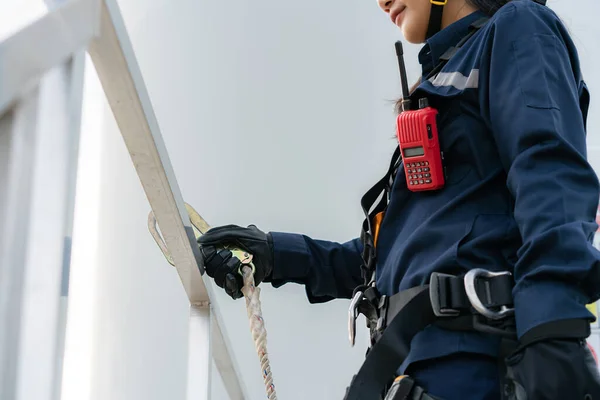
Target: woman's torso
pixel 469 223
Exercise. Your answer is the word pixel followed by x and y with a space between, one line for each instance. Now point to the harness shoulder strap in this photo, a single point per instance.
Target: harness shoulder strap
pixel 379 191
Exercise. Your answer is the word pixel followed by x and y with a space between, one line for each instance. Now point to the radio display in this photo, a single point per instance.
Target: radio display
pixel 414 151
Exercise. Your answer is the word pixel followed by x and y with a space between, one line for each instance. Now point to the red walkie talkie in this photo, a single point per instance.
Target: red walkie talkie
pixel 418 139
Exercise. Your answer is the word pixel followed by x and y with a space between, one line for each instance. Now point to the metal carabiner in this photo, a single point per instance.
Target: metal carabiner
pixel 200 227
pixel 353 315
pixel 198 223
pixel 244 257
pixel 474 299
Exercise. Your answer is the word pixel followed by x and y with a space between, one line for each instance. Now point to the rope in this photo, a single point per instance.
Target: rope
pixel 250 291
pixel 257 327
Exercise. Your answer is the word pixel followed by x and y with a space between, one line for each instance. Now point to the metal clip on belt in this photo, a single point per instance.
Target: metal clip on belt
pixel 473 295
pixel 481 301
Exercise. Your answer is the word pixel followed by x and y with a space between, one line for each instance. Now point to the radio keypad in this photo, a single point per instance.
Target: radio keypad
pixel 418 173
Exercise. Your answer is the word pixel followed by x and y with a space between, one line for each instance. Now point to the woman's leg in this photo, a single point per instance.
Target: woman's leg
pixel 462 376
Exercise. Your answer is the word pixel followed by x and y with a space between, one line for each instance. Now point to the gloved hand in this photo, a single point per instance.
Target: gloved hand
pixel 223 267
pixel 551 370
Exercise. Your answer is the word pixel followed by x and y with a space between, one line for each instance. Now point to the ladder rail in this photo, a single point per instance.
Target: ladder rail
pixel 123 84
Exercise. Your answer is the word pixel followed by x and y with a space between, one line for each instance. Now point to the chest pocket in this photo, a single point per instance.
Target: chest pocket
pixel 453 133
pixel 468 147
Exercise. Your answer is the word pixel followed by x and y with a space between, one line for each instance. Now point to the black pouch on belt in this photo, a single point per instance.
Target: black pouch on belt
pixel 553 362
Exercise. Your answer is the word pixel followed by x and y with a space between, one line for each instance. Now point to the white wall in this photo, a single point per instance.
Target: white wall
pixel 274 113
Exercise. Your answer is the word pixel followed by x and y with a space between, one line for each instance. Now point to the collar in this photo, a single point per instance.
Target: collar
pixel 437 45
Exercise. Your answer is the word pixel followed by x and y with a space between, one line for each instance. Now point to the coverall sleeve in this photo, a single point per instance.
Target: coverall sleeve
pixel 536 106
pixel 328 270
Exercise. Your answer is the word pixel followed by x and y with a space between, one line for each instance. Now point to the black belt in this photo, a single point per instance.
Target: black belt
pixel 479 301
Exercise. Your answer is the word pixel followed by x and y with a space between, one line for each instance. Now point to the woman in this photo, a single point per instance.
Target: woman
pixel 519 197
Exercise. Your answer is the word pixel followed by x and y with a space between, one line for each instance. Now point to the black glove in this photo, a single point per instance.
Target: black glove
pixel 223 267
pixel 554 369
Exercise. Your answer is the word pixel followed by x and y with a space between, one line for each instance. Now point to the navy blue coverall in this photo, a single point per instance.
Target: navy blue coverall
pixel 520 195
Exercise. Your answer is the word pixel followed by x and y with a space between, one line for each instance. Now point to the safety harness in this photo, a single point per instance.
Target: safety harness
pixel 479 301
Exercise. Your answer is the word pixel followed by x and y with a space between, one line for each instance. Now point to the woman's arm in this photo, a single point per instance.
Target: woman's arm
pixel 329 270
pixel 531 90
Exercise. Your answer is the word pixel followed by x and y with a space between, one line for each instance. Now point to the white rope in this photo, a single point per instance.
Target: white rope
pixel 257 327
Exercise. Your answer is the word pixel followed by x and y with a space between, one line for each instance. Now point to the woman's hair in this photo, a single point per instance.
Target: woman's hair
pixel 489 7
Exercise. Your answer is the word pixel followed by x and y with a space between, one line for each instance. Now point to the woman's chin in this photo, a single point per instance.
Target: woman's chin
pixel 411 35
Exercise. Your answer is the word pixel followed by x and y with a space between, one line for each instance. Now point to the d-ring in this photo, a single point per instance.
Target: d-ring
pixel 476 302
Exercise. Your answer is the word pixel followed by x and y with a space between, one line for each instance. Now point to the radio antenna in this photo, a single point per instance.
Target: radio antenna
pixel 403 79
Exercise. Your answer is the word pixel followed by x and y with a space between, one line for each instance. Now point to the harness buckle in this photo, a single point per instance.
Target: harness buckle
pixel 353 315
pixel 470 279
pixel 382 320
pixel 437 291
